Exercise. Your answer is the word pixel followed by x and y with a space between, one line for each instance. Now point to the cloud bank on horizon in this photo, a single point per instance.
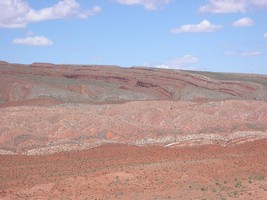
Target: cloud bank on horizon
pixel 33 41
pixel 216 35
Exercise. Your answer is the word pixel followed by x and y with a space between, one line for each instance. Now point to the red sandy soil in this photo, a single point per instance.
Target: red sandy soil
pixel 130 172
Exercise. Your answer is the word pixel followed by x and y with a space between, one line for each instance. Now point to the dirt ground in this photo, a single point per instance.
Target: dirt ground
pixel 130 172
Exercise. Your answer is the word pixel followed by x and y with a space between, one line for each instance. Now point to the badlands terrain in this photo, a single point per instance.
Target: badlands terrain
pixel 106 132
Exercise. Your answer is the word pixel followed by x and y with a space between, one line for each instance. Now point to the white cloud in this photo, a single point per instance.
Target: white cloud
pixel 232 6
pixel 230 53
pixel 184 62
pixel 85 14
pixel 33 41
pixel 243 22
pixel 243 54
pixel 148 4
pixel 204 26
pixel 250 53
pixel 265 35
pixel 30 33
pixel 18 13
pixel 223 6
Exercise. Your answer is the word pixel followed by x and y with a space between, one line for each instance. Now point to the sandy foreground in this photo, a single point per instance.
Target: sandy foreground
pixel 130 172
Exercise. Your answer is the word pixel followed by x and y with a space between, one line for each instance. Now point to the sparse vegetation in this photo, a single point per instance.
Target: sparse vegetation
pixel 261 178
pixel 217 183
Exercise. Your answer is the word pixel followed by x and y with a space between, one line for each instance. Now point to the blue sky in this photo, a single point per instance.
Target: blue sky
pixel 211 35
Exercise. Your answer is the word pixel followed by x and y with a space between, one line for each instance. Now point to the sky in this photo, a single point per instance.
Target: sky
pixel 206 35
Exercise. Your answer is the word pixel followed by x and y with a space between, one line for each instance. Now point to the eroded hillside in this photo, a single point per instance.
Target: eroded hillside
pixel 48 84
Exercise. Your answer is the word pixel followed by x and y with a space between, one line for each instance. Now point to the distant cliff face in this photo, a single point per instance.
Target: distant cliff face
pixel 43 64
pixel 46 84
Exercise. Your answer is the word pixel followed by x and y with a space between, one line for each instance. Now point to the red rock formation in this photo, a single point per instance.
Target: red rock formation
pixel 106 84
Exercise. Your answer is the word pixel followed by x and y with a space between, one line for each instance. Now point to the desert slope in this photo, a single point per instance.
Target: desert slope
pixel 131 172
pixel 106 132
pixel 32 129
